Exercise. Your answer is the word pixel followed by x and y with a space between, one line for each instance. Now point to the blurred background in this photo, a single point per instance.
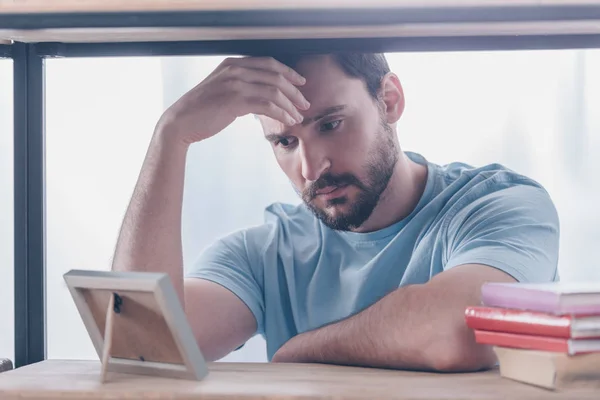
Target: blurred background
pixel 529 110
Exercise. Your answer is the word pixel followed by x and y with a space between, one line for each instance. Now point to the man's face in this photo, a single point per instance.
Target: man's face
pixel 341 158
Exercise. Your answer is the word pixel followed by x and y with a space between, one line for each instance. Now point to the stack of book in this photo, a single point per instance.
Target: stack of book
pixel 546 335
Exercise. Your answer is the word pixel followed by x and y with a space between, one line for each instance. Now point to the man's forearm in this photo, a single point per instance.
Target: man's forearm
pixel 150 236
pixel 415 327
pixel 383 335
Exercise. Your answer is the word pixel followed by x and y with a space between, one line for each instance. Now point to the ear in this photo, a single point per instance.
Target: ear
pixel 393 97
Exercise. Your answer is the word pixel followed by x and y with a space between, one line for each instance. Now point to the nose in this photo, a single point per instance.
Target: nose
pixel 314 161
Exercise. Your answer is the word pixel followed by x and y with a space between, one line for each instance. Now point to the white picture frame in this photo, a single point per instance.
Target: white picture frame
pixel 147 333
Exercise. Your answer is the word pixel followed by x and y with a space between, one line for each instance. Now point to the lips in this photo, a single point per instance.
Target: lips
pixel 331 192
pixel 327 189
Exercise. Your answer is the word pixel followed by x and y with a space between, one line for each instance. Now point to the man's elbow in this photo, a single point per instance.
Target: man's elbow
pixel 459 354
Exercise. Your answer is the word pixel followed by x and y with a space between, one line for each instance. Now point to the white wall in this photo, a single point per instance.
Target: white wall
pixel 529 110
pixel 7 344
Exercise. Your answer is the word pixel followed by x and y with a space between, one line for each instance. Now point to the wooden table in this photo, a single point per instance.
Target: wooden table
pixel 58 379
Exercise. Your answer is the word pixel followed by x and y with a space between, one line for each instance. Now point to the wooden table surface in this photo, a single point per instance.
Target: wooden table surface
pixel 62 379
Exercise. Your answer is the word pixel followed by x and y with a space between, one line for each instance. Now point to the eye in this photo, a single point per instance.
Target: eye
pixel 285 142
pixel 330 126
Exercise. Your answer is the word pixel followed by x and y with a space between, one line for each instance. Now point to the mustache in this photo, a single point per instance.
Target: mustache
pixel 330 180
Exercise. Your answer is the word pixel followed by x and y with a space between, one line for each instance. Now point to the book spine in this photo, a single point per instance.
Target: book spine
pixel 513 340
pixel 517 321
pixel 520 299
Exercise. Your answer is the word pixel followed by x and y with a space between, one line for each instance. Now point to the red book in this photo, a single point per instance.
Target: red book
pixel 533 323
pixel 543 343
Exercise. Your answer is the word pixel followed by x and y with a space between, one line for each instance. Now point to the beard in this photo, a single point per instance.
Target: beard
pixel 379 168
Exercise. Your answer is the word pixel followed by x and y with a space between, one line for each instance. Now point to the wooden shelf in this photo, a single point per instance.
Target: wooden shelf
pixel 73 6
pixel 57 379
pixel 85 21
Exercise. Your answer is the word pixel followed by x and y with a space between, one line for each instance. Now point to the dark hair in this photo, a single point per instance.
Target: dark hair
pixel 369 67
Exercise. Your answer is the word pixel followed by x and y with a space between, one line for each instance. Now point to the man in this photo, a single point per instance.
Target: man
pixel 377 265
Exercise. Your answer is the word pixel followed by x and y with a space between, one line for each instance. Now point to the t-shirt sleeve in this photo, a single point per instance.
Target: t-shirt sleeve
pixel 234 262
pixel 515 229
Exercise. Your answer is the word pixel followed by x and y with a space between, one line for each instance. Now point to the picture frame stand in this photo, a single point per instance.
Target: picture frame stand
pixel 136 323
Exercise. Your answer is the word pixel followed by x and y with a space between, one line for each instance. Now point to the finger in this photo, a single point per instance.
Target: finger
pixel 262 106
pixel 251 75
pixel 268 92
pixel 262 99
pixel 276 96
pixel 267 63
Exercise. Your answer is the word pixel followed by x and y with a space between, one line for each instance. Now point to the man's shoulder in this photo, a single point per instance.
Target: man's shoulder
pixel 462 190
pixel 285 225
pixel 460 173
pixel 466 183
pixel 493 190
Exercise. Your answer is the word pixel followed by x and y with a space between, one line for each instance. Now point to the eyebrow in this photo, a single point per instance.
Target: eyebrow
pixel 272 137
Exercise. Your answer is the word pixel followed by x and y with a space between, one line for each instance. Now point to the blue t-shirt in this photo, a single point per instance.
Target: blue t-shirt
pixel 295 274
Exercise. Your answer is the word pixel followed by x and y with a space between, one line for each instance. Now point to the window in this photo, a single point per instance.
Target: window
pixel 529 110
pixel 7 343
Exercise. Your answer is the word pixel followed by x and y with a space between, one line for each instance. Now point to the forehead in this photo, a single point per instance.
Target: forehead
pixel 327 85
pixel 320 71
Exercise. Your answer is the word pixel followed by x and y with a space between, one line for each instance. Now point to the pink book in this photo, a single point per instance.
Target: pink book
pixel 558 298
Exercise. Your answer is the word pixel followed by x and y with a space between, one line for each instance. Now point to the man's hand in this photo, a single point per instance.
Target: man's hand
pixel 237 87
